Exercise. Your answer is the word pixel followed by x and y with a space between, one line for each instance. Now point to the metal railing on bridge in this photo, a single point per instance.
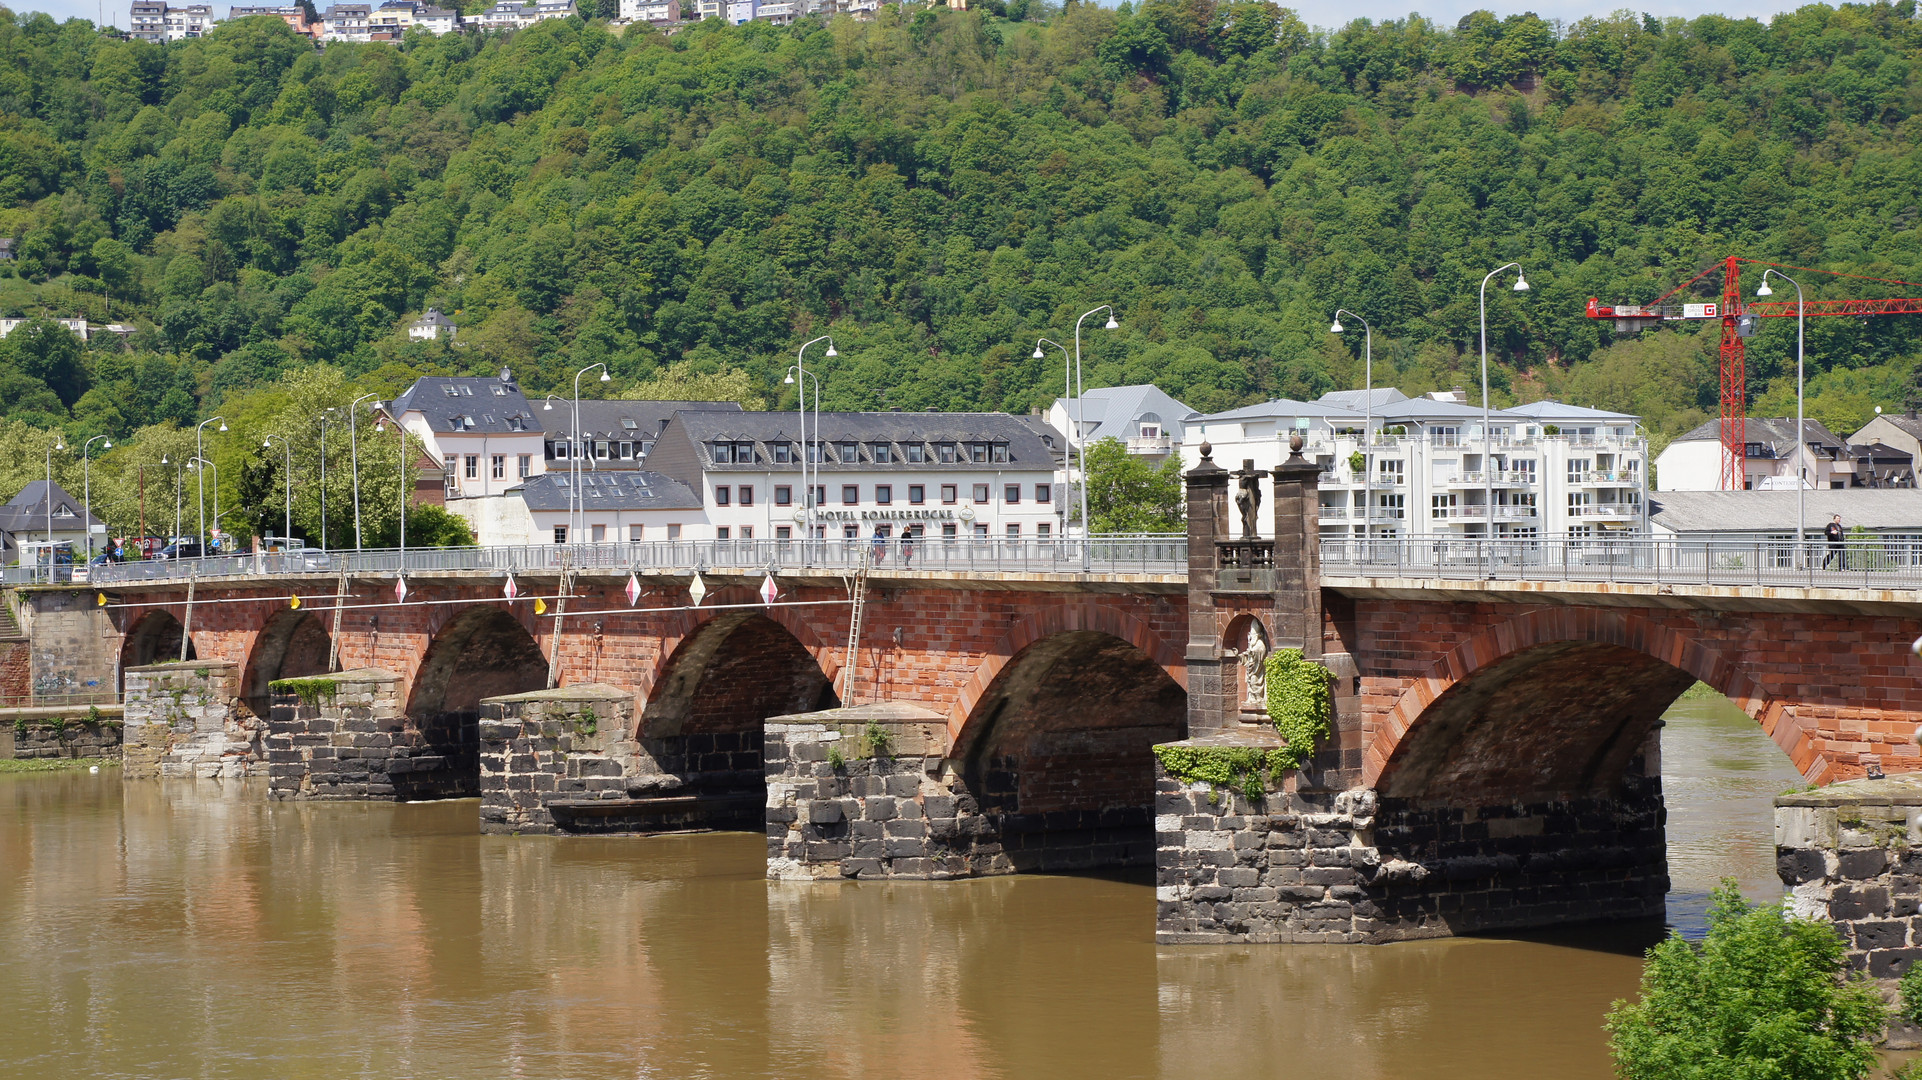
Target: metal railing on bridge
pixel 1133 554
pixel 1854 564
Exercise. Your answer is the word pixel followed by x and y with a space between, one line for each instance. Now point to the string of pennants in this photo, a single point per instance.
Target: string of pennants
pixel 697 591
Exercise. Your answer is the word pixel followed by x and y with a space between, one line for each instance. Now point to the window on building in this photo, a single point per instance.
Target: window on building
pixel 917 494
pixel 1441 506
pixel 883 494
pixel 1014 530
pixel 947 453
pixel 472 471
pixel 747 532
pixel 814 453
pixel 882 452
pixel 1044 493
pixel 744 453
pixel 500 466
pixel 999 451
pixel 916 452
pixel 746 494
pixel 600 450
pixel 978 452
pixel 560 534
pixel 981 530
pixel 722 533
pixel 850 532
pixel 600 534
pixel 980 493
pixel 850 494
pixel 948 531
pixel 783 453
pixel 527 465
pixel 673 532
pixel 1043 530
pixel 723 453
pixel 849 452
pixel 635 533
pixel 627 451
pixel 783 495
pixel 1011 493
pixel 783 532
pixel 1577 468
pixel 820 495
pixel 723 495
pixel 948 495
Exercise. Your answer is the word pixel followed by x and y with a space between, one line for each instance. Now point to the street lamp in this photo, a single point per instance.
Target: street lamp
pixel 1087 527
pixel 323 476
pixel 200 466
pixel 58 444
pixel 179 481
pixel 380 424
pixel 353 449
pixel 1067 391
pixel 797 376
pixel 200 451
pixel 1488 432
pixel 1368 415
pixel 86 473
pixel 574 494
pixel 1801 434
pixel 287 469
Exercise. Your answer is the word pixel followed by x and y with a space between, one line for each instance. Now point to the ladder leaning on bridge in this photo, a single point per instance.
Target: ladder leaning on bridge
pixel 858 591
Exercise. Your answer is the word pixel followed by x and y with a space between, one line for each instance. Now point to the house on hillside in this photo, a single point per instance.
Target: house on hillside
pixel 24 519
pixel 431 327
pixel 77 326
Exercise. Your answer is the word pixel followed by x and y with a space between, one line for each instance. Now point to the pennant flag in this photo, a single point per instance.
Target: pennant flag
pixel 769 590
pixel 100 599
pixel 400 590
pixel 293 601
pixel 540 606
pixel 697 591
pixel 633 590
pixel 510 590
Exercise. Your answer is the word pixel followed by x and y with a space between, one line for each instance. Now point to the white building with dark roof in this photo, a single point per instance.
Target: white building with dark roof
pixel 1143 418
pixel 613 434
pixel 1773 457
pixel 431 326
pixel 481 431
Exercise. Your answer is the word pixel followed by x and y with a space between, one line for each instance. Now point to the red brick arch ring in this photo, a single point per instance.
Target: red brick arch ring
pixel 1546 626
pixel 686 624
pixel 1060 620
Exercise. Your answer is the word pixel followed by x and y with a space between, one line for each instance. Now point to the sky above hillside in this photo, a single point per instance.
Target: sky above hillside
pixel 1328 13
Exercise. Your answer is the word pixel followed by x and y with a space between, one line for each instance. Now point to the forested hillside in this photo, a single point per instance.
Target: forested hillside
pixel 938 188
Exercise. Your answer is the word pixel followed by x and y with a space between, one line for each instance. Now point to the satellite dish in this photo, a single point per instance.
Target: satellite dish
pixel 507 375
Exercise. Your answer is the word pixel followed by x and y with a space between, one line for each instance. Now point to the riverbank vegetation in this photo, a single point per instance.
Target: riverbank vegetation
pixel 935 188
pixel 47 765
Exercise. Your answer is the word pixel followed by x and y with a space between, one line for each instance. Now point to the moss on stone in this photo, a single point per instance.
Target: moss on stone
pixel 309 690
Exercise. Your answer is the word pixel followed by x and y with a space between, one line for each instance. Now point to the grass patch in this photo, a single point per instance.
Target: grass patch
pixel 310 691
pixel 53 764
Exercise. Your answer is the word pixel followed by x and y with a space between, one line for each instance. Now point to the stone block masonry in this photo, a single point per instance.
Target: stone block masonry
pixel 1851 854
pixel 65 732
pixel 181 720
pixel 1350 868
pixel 567 761
pixel 841 807
pixel 344 736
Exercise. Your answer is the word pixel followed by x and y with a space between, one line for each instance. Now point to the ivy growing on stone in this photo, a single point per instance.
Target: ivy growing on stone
pixel 1299 702
pixel 1237 768
pixel 310 691
pixel 588 721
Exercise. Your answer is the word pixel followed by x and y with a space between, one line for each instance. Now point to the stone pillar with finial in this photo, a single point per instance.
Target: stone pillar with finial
pixel 1298 552
pixel 1210 704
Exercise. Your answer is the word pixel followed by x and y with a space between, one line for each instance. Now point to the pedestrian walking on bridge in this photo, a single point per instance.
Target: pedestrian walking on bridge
pixel 1834 532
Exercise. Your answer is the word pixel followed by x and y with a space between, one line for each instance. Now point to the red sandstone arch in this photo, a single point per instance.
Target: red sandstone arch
pixel 153 638
pixel 484 651
pixel 1066 618
pixel 1543 632
pixel 292 643
pixel 770 642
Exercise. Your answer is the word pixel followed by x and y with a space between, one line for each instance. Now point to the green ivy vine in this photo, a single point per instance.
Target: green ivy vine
pixel 1238 768
pixel 310 691
pixel 1300 702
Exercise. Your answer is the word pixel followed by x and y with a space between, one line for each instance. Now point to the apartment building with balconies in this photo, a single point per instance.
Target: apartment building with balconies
pixel 1142 418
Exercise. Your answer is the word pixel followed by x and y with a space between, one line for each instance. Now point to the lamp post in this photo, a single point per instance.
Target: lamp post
pixel 58 444
pixel 380 424
pixel 574 493
pixel 1087 527
pixel 798 374
pixel 1801 434
pixel 199 478
pixel 323 476
pixel 353 450
pixel 200 465
pixel 1067 391
pixel 1368 414
pixel 86 473
pixel 180 477
pixel 287 469
pixel 1488 432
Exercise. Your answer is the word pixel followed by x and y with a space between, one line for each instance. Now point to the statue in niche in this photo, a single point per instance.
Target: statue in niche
pixel 1254 669
pixel 1248 499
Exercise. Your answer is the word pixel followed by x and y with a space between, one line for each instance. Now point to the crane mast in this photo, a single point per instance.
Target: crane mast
pixel 1738 322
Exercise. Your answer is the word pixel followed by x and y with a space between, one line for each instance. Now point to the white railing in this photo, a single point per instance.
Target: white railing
pixel 1101 554
pixel 1868 564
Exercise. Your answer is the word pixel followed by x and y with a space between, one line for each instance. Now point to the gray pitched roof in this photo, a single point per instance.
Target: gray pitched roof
pixel 495 406
pixel 624 489
pixel 1028 448
pixel 1908 422
pixel 1358 399
pixel 1546 409
pixel 1284 407
pixel 1113 411
pixel 622 419
pixel 1779 433
pixel 1880 509
pixel 27 511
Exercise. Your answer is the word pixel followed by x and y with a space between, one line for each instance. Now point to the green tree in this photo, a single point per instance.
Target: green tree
pixel 1764 996
pixel 681 382
pixel 1128 495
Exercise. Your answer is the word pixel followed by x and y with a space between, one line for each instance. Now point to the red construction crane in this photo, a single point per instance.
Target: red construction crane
pixel 1738 322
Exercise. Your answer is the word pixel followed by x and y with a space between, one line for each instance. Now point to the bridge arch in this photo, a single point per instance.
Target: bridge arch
pixel 292 644
pixel 736 669
pixel 483 652
pixel 153 638
pixel 1591 683
pixel 1067 618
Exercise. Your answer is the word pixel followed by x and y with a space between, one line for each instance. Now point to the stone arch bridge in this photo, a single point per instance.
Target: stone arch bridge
pixel 1494 759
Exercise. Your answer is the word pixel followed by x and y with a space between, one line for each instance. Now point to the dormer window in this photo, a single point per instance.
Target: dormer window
pixel 1149 425
pixel 723 453
pixel 515 423
pixel 916 452
pixel 849 452
pixel 947 453
pixel 744 453
pixel 883 453
pixel 1000 451
pixel 783 452
pixel 978 452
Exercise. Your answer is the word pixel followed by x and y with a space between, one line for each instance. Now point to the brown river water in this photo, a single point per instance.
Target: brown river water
pixel 187 929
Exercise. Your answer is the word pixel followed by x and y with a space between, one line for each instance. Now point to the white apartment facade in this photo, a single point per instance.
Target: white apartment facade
pixel 160 23
pixel 482 432
pixel 78 327
pixel 1545 470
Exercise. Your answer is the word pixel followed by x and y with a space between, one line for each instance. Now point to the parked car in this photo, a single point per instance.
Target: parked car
pixel 181 549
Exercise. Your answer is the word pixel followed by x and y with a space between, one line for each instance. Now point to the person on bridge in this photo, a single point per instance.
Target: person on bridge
pixel 1834 532
pixel 880 546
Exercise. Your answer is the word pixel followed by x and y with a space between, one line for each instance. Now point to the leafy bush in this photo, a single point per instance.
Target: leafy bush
pixel 1300 703
pixel 1764 996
